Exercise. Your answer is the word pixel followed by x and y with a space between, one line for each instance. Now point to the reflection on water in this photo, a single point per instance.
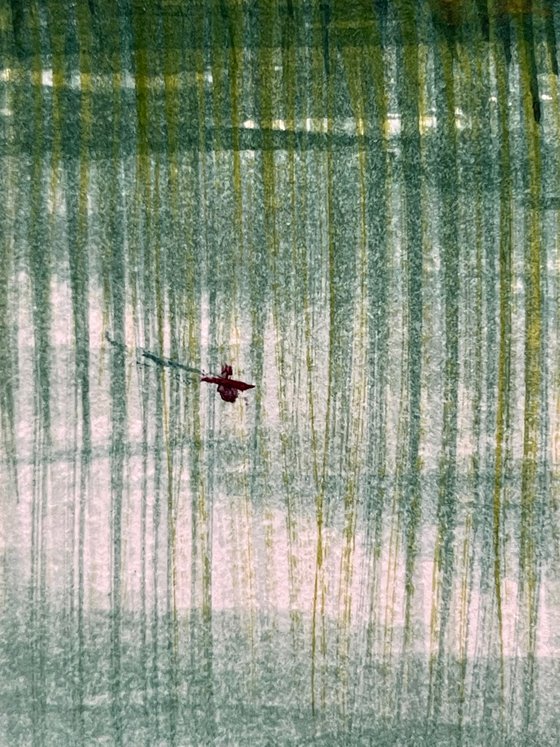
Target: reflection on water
pixel 356 209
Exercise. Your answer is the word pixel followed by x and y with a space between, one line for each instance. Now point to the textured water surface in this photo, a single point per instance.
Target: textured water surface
pixel 356 205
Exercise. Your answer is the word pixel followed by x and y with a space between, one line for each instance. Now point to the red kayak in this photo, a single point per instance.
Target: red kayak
pixel 228 388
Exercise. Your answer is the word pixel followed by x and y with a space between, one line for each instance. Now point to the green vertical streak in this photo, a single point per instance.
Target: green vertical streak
pixel 377 222
pixel 166 298
pixel 525 42
pixel 111 197
pixel 356 73
pixel 550 418
pixel 139 260
pixel 172 629
pixel 408 100
pixel 201 658
pixel 222 258
pixel 142 282
pixel 8 381
pixel 210 164
pixel 141 268
pixel 268 111
pixel 447 499
pixel 494 177
pixel 58 32
pixel 39 259
pixel 40 275
pixel 282 290
pixel 323 93
pixel 555 367
pixel 109 22
pixel 79 271
pixel 211 255
pixel 148 121
pixel 196 110
pixel 268 23
pixel 15 20
pixel 118 457
pixel 304 266
pixel 177 295
pixel 234 20
pixel 146 405
pixel 156 685
pixel 217 18
pixel 302 271
pixel 8 329
pixel 282 301
pixel 217 277
pixel 113 276
pixel 549 35
pixel 258 273
pixel 504 354
pixel 394 524
pixel 172 80
pixel 413 207
pixel 334 283
pixel 290 69
pixel 533 355
pixel 472 58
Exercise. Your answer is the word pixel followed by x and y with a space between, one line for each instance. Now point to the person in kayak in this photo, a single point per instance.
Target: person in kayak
pixel 228 388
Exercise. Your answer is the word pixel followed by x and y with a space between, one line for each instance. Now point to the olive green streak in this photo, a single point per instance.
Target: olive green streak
pixel 533 354
pixel 504 359
pixel 323 84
